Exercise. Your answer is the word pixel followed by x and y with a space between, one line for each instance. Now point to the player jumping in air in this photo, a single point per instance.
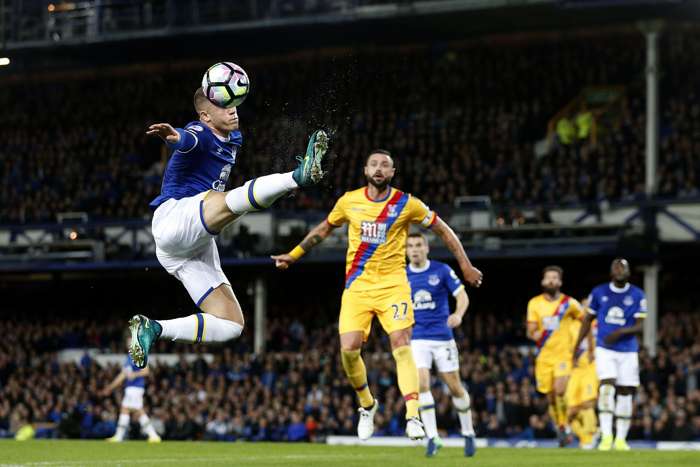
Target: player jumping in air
pixel 194 207
pixel 620 309
pixel 431 284
pixel 550 317
pixel 134 380
pixel 375 279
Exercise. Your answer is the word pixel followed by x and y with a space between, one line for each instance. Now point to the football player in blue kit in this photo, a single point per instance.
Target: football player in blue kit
pixel 134 380
pixel 191 210
pixel 431 284
pixel 620 309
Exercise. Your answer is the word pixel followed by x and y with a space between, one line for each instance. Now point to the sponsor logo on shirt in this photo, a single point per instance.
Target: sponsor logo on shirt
pixel 220 184
pixel 423 300
pixel 373 232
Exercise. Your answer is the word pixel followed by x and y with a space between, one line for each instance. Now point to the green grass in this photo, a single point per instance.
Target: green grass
pixel 137 453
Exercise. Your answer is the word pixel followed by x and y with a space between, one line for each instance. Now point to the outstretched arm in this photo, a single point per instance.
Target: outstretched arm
pixel 176 138
pixel 313 238
pixel 472 275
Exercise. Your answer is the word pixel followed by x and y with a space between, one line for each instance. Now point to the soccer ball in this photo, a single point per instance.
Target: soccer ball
pixel 226 84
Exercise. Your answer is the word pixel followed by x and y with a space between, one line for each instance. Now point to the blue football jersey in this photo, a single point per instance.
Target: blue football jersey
pixel 200 162
pixel 430 287
pixel 617 308
pixel 130 367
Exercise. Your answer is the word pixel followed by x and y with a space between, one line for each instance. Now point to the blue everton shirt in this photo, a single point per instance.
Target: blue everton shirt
pixel 616 308
pixel 130 367
pixel 201 161
pixel 430 287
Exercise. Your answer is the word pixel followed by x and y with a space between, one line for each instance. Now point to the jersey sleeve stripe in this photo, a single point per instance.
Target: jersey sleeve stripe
pixel 458 290
pixel 591 311
pixel 640 315
pixel 196 142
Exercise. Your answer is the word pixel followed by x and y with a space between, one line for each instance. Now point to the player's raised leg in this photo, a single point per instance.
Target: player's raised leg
pixel 220 209
pixel 354 366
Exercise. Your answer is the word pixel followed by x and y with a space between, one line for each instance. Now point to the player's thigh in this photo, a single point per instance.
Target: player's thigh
pixel 627 369
pixel 394 308
pixel 446 356
pixel 562 372
pixel 605 364
pixel 422 354
pixel 355 313
pixel 202 275
pixel 544 375
pixel 179 229
pixel 215 212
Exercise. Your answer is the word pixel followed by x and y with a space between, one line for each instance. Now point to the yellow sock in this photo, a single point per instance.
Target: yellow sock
pixel 408 378
pixel 590 422
pixel 561 410
pixel 357 374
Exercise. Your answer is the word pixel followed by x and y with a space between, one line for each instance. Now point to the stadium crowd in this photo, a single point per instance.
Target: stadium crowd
pixel 462 119
pixel 296 391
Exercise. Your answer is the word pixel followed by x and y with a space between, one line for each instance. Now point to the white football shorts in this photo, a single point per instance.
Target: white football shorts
pixel 443 353
pixel 186 247
pixel 623 367
pixel 133 398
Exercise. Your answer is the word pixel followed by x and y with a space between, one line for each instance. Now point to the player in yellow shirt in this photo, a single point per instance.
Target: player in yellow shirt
pixel 550 317
pixel 378 217
pixel 582 390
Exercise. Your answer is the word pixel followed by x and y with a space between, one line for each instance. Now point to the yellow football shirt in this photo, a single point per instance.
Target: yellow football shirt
pixel 559 320
pixel 377 232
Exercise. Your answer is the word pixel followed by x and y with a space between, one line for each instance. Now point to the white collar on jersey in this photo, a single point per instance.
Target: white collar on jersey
pixel 423 269
pixel 222 139
pixel 616 289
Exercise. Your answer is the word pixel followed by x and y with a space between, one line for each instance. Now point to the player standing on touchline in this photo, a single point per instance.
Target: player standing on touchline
pixel 193 208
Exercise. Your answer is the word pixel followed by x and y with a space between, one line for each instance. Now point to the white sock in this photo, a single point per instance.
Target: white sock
pixel 606 408
pixel 147 427
pixel 426 407
pixel 623 415
pixel 200 327
pixel 259 193
pixel 122 425
pixel 464 410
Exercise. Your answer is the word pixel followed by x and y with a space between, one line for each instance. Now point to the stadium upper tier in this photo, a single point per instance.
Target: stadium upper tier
pixel 461 119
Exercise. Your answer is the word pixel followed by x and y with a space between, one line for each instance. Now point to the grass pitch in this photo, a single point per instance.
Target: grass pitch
pixel 141 454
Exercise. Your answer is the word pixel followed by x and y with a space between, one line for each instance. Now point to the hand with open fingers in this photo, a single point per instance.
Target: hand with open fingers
pixel 165 131
pixel 282 262
pixel 473 276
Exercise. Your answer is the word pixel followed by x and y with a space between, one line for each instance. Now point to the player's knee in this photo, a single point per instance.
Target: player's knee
pixel 400 338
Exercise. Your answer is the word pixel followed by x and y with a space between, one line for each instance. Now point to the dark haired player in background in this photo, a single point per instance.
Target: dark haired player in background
pixel 620 309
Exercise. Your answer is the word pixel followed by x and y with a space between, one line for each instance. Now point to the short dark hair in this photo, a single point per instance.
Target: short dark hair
pixel 418 235
pixel 554 268
pixel 199 99
pixel 379 151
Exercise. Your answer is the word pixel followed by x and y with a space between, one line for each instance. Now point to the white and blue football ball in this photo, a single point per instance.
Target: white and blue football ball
pixel 226 84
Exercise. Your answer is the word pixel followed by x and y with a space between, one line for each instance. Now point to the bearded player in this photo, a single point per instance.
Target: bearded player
pixel 375 279
pixel 194 207
pixel 550 319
